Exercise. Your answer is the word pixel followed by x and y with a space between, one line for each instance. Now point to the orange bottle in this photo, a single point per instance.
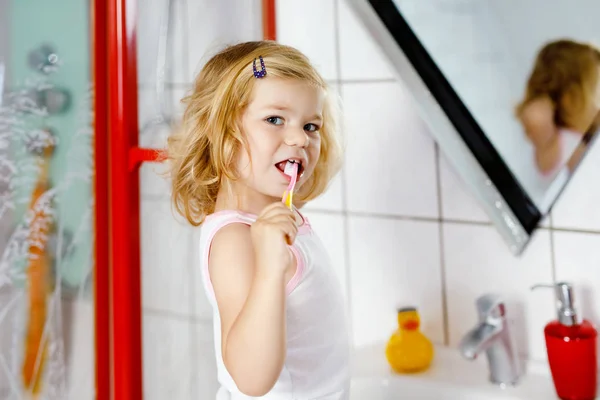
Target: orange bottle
pixel 408 349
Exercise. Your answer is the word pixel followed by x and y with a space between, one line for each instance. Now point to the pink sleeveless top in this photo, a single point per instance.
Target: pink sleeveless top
pixel 318 346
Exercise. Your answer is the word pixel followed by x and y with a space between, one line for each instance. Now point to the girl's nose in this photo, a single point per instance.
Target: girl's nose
pixel 297 138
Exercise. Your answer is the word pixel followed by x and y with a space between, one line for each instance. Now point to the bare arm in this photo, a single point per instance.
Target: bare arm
pixel 538 121
pixel 251 299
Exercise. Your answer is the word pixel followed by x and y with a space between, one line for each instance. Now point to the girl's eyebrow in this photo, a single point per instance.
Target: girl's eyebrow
pixel 284 108
pixel 277 107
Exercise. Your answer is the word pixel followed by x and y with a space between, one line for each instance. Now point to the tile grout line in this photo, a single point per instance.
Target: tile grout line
pixel 552 255
pixel 343 180
pixel 438 181
pixel 575 230
pixel 194 363
pixel 365 214
pixel 552 250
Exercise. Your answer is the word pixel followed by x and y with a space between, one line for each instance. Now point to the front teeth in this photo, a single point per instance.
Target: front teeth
pixel 290 165
pixel 290 168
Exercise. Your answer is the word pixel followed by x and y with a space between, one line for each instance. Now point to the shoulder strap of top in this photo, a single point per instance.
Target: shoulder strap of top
pixel 215 222
pixel 209 228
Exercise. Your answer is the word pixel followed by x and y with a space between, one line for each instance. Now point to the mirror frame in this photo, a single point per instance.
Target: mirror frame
pixel 452 125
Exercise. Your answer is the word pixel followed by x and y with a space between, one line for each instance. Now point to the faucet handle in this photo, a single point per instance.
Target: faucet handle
pixel 490 306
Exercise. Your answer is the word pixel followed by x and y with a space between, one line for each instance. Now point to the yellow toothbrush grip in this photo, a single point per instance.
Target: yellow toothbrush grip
pixel 289 198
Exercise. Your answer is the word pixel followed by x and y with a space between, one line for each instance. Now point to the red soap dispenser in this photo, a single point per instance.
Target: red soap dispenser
pixel 572 349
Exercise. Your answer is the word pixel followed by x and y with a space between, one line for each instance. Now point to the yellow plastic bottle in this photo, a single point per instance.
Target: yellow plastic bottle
pixel 408 350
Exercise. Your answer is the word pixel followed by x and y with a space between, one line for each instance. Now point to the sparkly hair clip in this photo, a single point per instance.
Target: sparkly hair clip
pixel 263 71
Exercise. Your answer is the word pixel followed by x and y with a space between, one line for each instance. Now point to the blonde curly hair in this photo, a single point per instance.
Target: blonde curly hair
pixel 202 153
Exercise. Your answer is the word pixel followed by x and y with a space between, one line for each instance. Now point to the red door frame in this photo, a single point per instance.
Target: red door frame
pixel 124 200
pixel 269 18
pixel 117 246
pixel 118 312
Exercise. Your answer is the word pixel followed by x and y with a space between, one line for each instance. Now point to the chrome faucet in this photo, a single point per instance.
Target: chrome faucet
pixel 492 335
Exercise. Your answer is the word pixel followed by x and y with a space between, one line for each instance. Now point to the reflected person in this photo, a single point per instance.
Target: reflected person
pixel 560 111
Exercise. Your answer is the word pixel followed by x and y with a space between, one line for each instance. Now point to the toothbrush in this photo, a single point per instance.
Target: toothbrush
pixel 291 169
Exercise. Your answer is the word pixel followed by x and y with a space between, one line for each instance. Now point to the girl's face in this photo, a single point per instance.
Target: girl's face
pixel 281 122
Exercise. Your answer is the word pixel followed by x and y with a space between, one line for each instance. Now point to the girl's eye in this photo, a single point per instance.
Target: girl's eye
pixel 311 127
pixel 275 120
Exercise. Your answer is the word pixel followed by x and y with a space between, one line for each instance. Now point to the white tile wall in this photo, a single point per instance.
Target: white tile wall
pixel 575 208
pixel 457 203
pixel 393 263
pixel 360 58
pixel 215 23
pixel 204 384
pixel 153 17
pixel 166 259
pixel 386 143
pixel 312 19
pixel 400 227
pixel 168 372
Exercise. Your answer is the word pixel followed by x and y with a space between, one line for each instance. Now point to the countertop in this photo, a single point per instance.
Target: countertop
pixel 450 369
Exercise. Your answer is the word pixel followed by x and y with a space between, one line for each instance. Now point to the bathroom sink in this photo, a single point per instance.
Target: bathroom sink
pixel 450 377
pixel 408 388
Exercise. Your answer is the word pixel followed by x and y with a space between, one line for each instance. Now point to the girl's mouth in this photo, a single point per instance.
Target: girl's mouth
pixel 281 166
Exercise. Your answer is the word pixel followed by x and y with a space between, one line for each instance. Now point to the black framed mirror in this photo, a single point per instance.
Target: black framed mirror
pixel 512 97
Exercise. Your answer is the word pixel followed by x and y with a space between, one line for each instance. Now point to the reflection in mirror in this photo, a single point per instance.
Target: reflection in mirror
pixel 559 113
pixel 513 98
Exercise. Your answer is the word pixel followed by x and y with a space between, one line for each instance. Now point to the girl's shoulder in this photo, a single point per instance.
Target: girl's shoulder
pixel 228 216
pixel 219 219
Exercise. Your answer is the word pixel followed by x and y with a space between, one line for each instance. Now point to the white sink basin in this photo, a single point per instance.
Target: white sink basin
pixel 409 388
pixel 450 378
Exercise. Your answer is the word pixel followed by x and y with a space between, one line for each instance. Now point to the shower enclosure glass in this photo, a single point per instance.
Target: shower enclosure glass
pixel 46 200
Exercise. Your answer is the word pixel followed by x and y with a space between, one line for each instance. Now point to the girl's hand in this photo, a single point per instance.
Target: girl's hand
pixel 272 232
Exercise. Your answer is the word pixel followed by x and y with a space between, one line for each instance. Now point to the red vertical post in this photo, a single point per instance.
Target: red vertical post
pixel 100 192
pixel 124 203
pixel 269 20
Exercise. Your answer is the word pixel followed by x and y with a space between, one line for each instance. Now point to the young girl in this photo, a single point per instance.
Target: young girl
pixel 279 317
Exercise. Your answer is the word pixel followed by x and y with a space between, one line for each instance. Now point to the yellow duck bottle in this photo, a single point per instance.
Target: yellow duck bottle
pixel 408 349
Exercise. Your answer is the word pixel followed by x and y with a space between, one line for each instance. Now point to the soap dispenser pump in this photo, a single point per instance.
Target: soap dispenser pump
pixel 572 348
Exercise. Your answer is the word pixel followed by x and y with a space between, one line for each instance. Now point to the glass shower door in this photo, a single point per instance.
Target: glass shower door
pixel 46 200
